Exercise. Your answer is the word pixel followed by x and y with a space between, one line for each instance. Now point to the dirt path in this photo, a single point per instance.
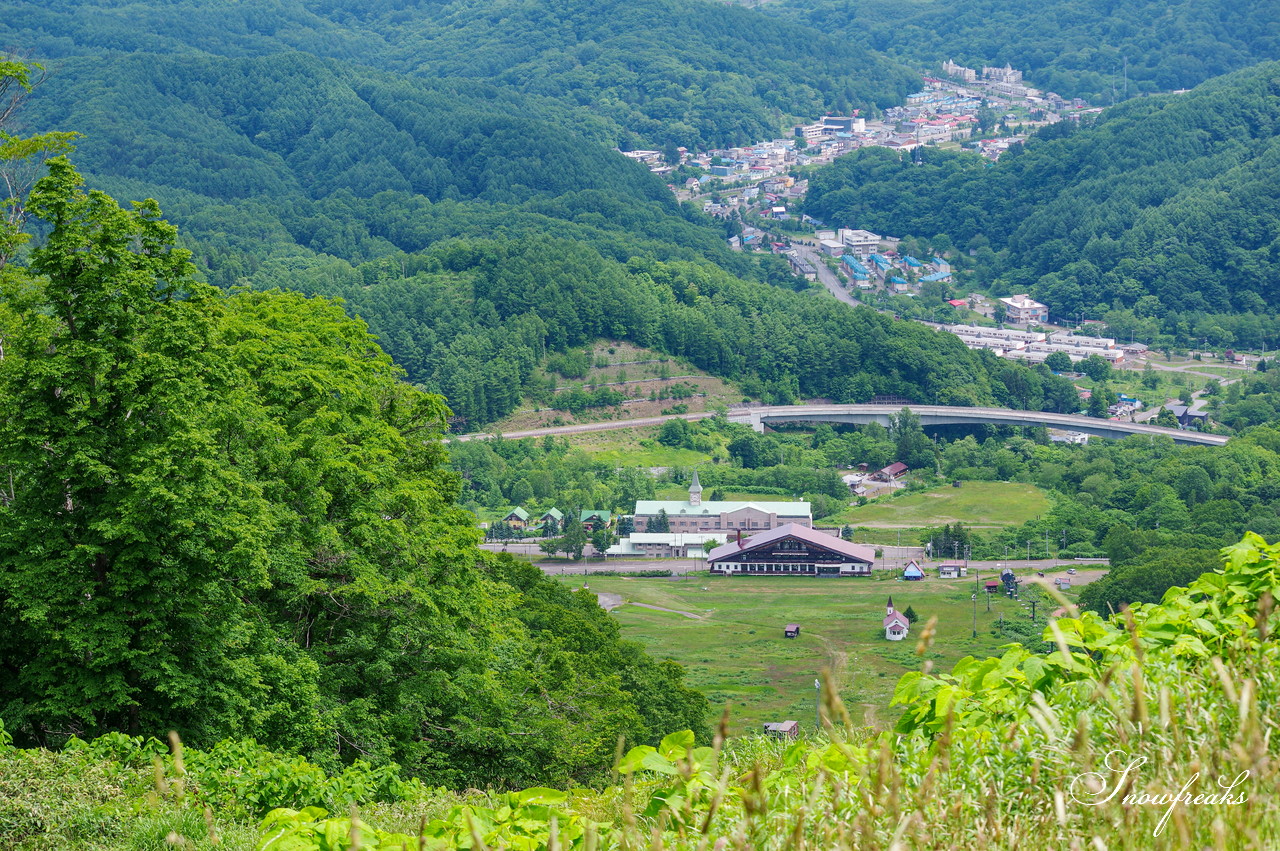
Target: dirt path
pixel 690 615
pixel 609 601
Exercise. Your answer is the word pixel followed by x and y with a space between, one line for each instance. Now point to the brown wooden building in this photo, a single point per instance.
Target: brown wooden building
pixel 792 550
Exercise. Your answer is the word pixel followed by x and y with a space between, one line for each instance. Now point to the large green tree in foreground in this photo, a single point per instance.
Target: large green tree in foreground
pixel 228 515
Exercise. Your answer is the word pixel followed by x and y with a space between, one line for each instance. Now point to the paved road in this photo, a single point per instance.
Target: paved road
pixel 827 278
pixel 931 415
pixel 893 559
pixel 605 425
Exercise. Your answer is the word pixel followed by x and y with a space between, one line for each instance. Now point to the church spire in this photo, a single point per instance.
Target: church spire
pixel 695 490
pixel 890 608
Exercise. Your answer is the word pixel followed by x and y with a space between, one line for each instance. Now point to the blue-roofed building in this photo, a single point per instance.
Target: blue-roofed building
pixel 912 262
pixel 880 263
pixel 940 264
pixel 855 267
pixel 942 277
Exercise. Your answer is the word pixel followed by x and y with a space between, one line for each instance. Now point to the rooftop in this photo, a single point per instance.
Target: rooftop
pixel 803 533
pixel 676 508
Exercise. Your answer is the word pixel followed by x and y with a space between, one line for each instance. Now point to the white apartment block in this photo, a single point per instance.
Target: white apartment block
pixel 863 242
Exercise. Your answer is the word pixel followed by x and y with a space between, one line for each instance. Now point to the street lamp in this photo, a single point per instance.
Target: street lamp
pixel 817 704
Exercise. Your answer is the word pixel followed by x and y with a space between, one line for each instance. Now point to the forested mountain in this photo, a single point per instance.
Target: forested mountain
pixel 683 72
pixel 471 319
pixel 326 176
pixel 255 154
pixel 1077 48
pixel 1161 216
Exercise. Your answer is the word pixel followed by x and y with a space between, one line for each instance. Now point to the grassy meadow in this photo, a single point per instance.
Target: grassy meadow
pixel 975 504
pixel 734 652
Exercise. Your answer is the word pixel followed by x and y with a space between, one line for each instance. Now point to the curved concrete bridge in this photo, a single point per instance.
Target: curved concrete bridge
pixel 933 415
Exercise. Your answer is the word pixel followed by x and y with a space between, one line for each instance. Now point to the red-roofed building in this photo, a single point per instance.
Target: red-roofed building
pixel 792 550
pixel 896 470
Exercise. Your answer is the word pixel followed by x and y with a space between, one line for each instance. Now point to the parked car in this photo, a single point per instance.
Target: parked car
pixel 1071 570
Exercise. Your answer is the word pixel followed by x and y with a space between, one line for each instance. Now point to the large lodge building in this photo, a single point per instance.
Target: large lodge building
pixel 792 550
pixel 698 516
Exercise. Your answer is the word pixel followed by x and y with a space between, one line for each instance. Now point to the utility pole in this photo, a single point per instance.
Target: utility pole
pixel 817 704
pixel 975 604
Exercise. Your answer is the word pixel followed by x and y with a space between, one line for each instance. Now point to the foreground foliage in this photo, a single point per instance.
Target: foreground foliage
pixel 1088 745
pixel 229 515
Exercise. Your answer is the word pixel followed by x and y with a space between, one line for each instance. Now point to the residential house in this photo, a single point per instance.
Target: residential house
pixel 517 518
pixel 1187 417
pixel 894 471
pixel 594 518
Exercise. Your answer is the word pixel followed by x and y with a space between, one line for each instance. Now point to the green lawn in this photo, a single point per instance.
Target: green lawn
pixel 735 653
pixel 973 504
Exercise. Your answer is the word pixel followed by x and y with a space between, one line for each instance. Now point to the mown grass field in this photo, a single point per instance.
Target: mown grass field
pixel 735 653
pixel 978 504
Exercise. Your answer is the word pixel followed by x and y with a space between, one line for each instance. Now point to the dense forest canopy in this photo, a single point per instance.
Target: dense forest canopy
pixel 228 515
pixel 471 236
pixel 1163 209
pixel 685 72
pixel 1078 48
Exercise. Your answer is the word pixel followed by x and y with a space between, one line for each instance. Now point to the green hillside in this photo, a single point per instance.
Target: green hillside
pixel 684 72
pixel 1160 216
pixel 1077 48
pixel 286 170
